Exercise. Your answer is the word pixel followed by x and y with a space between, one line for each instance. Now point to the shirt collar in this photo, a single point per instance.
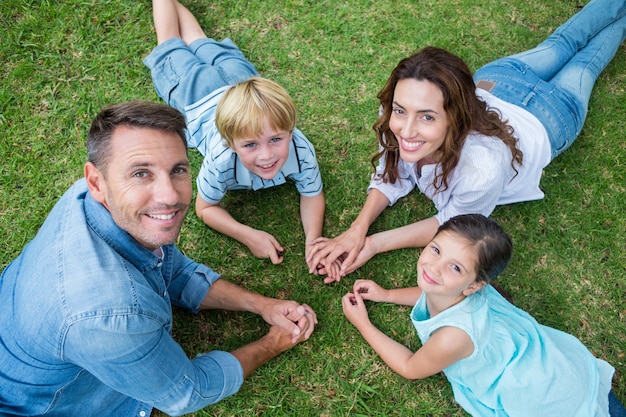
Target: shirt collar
pixel 100 221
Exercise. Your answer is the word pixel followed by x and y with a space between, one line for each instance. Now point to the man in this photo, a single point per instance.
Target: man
pixel 86 307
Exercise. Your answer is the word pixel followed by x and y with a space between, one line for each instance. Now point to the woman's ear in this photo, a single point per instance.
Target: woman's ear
pixel 473 287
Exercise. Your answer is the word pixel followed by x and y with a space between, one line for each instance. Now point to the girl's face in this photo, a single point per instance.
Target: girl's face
pixel 447 267
pixel 418 119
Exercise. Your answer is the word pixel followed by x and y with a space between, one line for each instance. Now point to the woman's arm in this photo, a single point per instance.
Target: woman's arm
pixel 348 244
pixel 414 235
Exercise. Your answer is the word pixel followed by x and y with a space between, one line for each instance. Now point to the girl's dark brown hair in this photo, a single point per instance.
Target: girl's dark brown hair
pixel 493 245
pixel 465 111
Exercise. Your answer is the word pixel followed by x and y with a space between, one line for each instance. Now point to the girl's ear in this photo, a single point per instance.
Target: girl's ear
pixel 474 286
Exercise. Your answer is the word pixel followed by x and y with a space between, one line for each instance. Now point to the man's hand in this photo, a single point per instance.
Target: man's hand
pixel 298 320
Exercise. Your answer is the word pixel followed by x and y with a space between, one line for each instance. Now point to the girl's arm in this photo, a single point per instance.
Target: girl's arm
pixel 447 346
pixel 369 290
pixel 260 243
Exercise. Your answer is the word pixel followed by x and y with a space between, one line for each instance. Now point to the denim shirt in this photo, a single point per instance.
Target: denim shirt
pixel 86 323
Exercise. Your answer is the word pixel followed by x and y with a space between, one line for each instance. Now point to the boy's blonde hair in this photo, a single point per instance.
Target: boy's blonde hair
pixel 244 109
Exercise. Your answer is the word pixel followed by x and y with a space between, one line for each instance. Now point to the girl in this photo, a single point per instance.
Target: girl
pixel 499 360
pixel 470 144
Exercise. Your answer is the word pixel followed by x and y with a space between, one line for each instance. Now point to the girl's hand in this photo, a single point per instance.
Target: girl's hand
pixel 354 309
pixel 369 290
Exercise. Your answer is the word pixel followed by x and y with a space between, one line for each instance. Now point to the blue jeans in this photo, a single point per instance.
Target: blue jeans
pixel 183 74
pixel 553 81
pixel 616 409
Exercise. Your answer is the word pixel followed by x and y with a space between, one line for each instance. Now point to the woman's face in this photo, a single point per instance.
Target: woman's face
pixel 418 119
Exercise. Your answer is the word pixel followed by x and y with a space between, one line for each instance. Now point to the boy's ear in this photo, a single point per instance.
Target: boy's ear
pixel 95 182
pixel 474 286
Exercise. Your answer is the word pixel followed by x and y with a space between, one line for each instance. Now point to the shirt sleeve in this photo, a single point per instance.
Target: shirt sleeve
pixel 212 186
pixel 406 182
pixel 133 353
pixel 309 179
pixel 190 282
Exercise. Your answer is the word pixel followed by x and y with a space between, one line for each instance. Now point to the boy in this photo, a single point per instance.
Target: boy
pixel 243 125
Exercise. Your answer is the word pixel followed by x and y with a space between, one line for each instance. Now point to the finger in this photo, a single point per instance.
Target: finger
pixel 330 280
pixel 288 325
pixel 295 313
pixel 308 311
pixel 276 257
pixel 349 259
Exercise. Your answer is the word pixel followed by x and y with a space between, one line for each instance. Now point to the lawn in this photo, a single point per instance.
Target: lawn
pixel 63 61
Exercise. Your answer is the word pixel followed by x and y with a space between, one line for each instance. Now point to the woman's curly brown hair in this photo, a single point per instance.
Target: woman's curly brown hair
pixel 466 112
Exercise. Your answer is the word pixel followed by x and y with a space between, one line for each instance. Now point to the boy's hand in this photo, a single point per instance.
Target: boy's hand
pixel 264 245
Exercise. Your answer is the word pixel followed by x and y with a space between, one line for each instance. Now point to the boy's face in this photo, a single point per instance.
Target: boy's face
pixel 264 155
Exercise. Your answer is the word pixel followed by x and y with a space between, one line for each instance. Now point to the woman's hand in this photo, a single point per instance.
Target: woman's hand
pixel 327 251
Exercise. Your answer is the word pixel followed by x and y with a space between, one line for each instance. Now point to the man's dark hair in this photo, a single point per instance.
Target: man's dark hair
pixel 138 113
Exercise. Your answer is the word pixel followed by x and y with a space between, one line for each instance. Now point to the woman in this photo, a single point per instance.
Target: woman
pixel 472 143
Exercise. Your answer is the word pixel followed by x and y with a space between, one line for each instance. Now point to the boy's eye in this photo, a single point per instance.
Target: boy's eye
pixel 249 145
pixel 274 140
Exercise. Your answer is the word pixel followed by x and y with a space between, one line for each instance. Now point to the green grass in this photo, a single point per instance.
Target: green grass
pixel 63 61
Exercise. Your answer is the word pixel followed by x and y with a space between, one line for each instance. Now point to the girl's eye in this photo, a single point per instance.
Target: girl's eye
pixel 436 250
pixel 456 268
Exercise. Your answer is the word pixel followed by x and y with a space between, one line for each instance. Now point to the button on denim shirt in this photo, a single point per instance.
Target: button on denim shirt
pixel 86 322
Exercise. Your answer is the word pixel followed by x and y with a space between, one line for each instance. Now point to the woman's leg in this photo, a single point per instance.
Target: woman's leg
pixel 548 58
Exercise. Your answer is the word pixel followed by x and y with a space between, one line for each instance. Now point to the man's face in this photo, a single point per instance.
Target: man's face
pixel 147 184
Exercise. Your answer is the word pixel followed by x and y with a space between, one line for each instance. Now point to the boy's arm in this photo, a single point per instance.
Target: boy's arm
pixel 312 214
pixel 260 243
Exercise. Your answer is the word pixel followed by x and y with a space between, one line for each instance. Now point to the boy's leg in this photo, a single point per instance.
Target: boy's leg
pixel 173 20
pixel 190 29
pixel 165 19
pixel 551 55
